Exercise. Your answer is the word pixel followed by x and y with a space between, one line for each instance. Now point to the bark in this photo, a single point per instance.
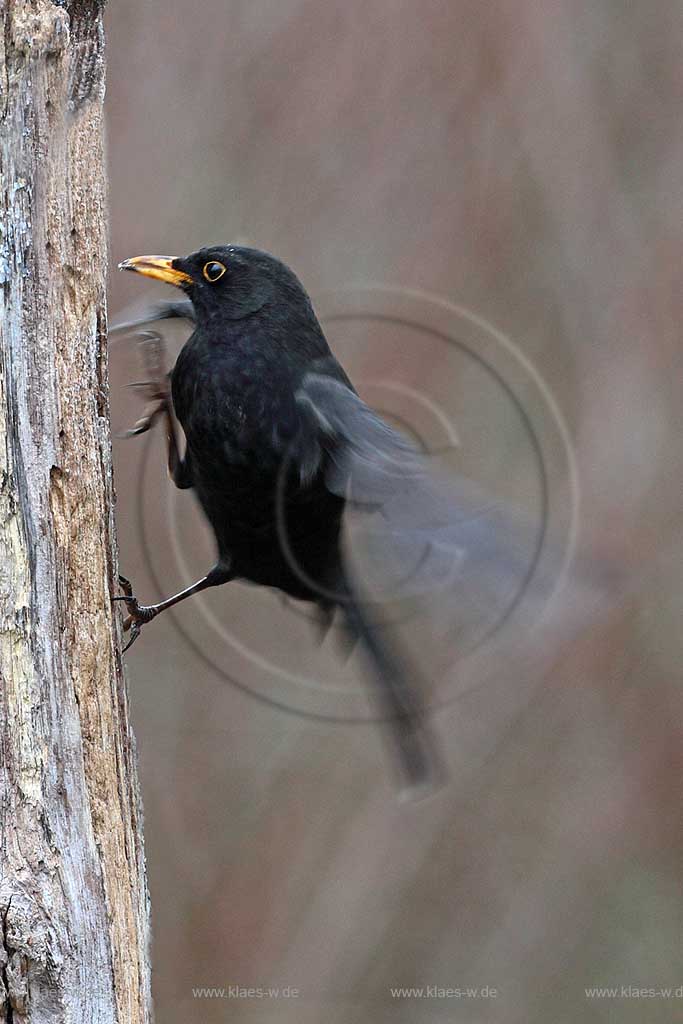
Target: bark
pixel 73 896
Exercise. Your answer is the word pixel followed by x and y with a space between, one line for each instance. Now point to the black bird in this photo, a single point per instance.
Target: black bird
pixel 279 447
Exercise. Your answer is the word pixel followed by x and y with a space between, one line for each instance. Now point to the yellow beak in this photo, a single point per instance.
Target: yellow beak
pixel 159 267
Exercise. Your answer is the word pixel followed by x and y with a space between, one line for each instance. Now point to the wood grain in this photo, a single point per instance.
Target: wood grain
pixel 73 894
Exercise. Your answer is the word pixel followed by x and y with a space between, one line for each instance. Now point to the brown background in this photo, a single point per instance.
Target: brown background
pixel 522 159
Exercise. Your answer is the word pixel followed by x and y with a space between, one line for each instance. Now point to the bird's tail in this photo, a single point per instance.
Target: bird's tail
pixel 420 767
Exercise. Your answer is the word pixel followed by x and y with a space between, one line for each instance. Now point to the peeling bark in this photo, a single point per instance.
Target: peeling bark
pixel 73 896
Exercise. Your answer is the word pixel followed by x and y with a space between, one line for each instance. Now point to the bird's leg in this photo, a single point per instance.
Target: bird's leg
pixel 156 386
pixel 139 614
pixel 160 405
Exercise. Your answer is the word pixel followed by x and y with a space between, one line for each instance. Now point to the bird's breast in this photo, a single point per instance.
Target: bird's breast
pixel 236 412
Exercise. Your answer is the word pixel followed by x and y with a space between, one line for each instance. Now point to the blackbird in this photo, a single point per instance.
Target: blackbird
pixel 279 448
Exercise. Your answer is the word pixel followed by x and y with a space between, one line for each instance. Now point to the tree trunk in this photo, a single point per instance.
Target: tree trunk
pixel 73 897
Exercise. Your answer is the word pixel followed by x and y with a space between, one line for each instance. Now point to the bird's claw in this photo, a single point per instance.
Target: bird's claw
pixel 127 588
pixel 135 630
pixel 138 613
pixel 150 415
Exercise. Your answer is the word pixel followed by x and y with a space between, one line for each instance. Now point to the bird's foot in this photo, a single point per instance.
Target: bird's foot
pixel 156 388
pixel 138 614
pixel 154 409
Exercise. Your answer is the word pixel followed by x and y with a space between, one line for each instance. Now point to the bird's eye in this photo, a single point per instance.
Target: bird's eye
pixel 213 271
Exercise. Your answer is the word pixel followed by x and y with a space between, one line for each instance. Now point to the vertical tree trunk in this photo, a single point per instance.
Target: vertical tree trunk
pixel 73 898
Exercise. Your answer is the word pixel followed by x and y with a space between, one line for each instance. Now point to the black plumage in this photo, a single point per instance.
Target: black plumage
pixel 279 448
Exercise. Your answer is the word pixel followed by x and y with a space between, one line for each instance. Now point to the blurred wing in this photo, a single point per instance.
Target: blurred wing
pixel 138 315
pixel 412 535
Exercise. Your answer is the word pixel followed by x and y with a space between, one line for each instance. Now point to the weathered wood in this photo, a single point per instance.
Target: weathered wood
pixel 73 896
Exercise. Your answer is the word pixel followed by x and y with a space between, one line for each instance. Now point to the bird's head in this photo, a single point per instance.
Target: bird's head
pixel 228 282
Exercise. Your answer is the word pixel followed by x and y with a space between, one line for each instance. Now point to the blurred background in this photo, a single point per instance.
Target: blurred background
pixel 520 163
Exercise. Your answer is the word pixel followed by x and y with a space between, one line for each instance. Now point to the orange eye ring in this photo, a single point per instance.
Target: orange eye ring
pixel 213 271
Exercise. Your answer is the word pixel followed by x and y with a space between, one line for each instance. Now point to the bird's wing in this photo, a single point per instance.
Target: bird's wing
pixel 411 534
pixel 138 315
